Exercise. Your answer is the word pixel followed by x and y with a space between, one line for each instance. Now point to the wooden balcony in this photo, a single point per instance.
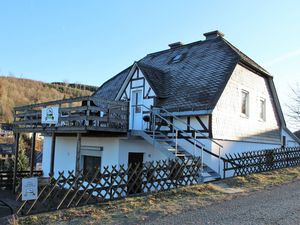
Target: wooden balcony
pixel 77 115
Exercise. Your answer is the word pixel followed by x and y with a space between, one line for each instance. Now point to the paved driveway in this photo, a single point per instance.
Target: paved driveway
pixel 276 205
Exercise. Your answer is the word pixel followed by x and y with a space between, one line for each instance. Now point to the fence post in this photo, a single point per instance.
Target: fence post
pixel 287 157
pixel 224 167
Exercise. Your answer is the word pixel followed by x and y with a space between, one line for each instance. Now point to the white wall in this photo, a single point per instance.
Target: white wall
pixel 115 151
pixel 236 147
pixel 46 155
pixel 65 152
pixel 290 141
pixel 110 154
pixel 140 146
pixel 228 122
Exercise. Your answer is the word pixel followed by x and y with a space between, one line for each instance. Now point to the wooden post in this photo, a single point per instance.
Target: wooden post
pixel 32 154
pixel 210 134
pixel 78 153
pixel 17 138
pixel 52 153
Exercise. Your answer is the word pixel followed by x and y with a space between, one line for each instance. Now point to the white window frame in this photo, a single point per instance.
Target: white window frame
pixel 263 119
pixel 245 115
pixel 94 151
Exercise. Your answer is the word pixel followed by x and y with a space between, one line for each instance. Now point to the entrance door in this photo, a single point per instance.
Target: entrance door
pixel 135 183
pixel 136 110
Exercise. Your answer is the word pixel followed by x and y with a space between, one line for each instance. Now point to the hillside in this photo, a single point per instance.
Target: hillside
pixel 16 92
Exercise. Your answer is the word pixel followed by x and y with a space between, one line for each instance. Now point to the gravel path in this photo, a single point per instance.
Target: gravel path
pixel 276 205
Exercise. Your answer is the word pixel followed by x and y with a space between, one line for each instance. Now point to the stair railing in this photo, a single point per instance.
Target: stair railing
pixel 176 143
pixel 196 142
pixel 188 125
pixel 195 136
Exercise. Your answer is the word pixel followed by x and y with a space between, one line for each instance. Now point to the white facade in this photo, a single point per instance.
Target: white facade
pixel 115 151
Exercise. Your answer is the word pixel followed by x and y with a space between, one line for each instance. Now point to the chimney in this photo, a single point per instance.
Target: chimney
pixel 213 34
pixel 175 45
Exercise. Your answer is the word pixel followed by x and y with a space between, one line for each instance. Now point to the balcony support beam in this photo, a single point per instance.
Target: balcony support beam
pixel 52 153
pixel 78 147
pixel 32 154
pixel 17 139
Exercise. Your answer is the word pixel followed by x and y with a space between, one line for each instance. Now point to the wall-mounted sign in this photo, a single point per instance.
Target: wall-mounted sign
pixel 50 115
pixel 29 188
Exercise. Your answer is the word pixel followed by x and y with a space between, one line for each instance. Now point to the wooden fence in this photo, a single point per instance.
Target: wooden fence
pixel 67 190
pixel 6 177
pixel 259 161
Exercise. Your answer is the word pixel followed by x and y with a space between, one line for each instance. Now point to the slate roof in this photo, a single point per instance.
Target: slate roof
pixel 110 88
pixel 195 82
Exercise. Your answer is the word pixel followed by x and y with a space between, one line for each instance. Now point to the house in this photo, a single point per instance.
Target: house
pixel 205 98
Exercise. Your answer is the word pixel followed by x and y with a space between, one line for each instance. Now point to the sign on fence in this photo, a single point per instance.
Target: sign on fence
pixel 29 188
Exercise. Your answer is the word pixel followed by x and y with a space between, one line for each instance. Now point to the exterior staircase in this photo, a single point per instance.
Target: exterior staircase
pixel 168 144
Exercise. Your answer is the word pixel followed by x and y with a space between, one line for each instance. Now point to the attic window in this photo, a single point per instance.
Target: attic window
pixel 177 58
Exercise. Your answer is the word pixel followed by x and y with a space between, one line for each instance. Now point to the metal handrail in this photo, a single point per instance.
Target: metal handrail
pixel 188 125
pixel 201 146
pixel 177 128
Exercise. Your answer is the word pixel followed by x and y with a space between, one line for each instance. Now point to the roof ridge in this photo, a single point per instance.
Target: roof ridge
pixel 183 46
pixel 242 54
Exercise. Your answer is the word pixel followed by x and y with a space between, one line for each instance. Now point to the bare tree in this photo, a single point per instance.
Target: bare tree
pixel 294 107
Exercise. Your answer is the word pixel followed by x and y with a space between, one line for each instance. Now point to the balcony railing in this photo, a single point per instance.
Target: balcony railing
pixel 76 114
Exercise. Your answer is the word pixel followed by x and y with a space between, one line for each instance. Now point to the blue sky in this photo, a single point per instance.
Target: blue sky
pixel 90 41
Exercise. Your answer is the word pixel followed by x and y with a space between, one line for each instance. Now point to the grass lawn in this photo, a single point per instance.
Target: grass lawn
pixel 133 210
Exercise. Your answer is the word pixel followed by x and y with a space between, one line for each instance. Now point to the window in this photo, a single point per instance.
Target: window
pixel 177 58
pixel 262 109
pixel 245 103
pixel 91 164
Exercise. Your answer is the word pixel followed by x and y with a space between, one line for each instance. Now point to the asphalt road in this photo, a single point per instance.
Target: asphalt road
pixel 276 205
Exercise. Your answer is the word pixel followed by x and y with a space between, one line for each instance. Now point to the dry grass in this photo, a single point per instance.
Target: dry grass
pixel 135 209
pixel 17 91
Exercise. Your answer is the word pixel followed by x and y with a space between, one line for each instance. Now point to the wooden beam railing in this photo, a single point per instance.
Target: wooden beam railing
pixel 83 112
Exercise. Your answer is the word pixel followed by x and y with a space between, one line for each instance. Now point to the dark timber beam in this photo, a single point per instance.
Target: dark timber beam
pixel 78 152
pixel 32 154
pixel 17 138
pixel 52 153
pixel 201 123
pixel 210 126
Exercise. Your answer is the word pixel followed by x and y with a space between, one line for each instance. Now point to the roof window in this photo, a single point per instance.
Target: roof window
pixel 177 58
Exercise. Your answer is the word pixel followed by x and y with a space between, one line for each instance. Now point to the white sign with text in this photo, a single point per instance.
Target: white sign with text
pixel 29 188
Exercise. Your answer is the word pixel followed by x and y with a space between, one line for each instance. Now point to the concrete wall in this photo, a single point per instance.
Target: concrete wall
pixel 229 123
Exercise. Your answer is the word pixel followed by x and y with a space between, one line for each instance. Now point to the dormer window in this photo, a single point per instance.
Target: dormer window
pixel 177 58
pixel 245 103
